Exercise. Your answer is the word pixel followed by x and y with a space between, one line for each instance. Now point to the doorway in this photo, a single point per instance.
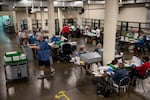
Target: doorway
pixel 6 24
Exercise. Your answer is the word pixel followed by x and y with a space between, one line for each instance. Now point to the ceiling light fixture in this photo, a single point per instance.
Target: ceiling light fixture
pixel 25 1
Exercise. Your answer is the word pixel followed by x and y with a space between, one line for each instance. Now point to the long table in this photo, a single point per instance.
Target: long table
pixel 127 44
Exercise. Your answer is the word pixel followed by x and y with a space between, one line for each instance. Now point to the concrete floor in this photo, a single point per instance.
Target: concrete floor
pixel 68 77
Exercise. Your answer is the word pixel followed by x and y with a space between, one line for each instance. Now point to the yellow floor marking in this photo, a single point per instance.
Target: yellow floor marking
pixel 62 94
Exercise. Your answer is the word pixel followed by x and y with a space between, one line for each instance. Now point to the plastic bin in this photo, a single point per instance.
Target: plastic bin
pixel 90 57
pixel 28 52
pixel 16 70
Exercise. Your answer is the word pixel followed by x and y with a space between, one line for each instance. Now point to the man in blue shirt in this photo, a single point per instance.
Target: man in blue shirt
pixel 43 54
pixel 54 39
pixel 33 38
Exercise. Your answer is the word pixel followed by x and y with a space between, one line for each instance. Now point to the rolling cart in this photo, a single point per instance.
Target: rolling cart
pixel 15 66
pixel 16 70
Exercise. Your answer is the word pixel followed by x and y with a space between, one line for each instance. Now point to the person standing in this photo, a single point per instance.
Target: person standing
pixel 77 31
pixel 65 31
pixel 43 55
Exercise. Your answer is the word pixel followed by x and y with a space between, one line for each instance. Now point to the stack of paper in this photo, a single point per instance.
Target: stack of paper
pixel 15 58
pixel 9 53
pixel 22 56
pixel 7 59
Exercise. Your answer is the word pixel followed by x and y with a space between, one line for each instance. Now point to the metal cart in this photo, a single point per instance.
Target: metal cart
pixel 16 70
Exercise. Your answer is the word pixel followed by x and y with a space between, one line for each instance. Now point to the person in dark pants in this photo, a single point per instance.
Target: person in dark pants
pixel 78 33
pixel 43 54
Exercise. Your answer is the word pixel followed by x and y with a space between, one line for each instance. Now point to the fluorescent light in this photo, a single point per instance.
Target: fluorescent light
pixel 25 1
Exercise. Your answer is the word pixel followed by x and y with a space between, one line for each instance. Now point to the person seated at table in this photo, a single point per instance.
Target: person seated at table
pixel 76 58
pixel 115 62
pixel 140 44
pixel 54 39
pixel 106 70
pixel 135 60
pixel 81 51
pixel 98 49
pixel 140 71
pixel 119 74
pixel 136 35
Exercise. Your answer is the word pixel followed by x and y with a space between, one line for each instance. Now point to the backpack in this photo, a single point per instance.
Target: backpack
pixel 102 90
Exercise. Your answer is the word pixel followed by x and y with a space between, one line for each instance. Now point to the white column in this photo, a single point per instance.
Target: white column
pixel 110 27
pixel 51 18
pixel 43 19
pixel 79 20
pixel 29 20
pixel 15 22
pixel 60 18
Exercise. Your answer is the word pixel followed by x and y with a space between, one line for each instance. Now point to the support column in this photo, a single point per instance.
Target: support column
pixel 51 18
pixel 43 19
pixel 79 20
pixel 110 27
pixel 60 19
pixel 15 22
pixel 29 20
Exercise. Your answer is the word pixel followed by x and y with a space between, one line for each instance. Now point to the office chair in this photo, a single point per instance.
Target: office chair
pixel 65 53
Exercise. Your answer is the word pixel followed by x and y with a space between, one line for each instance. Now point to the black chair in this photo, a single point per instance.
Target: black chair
pixel 65 53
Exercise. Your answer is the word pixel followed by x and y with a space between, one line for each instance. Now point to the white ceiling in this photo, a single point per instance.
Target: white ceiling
pixel 43 3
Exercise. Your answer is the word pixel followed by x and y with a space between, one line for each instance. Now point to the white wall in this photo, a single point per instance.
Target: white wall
pixel 6 13
pixel 93 12
pixel 38 16
pixel 44 17
pixel 20 16
pixel 135 14
pixel 126 13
